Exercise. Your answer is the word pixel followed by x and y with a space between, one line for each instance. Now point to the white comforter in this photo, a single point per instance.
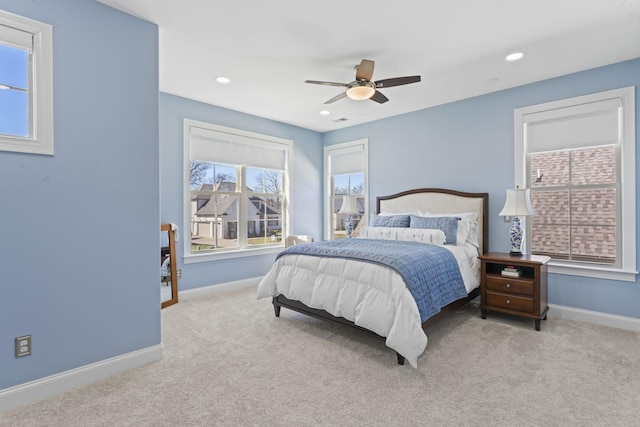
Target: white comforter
pixel 371 296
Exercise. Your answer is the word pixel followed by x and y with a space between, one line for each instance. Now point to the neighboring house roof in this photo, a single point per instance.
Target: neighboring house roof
pixel 258 202
pixel 220 204
pixel 215 206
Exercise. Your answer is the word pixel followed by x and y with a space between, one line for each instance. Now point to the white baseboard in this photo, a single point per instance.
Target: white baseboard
pixel 33 391
pixel 218 289
pixel 45 387
pixel 594 317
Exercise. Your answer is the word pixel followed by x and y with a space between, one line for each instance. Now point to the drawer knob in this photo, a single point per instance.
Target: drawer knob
pixel 508 285
pixel 508 301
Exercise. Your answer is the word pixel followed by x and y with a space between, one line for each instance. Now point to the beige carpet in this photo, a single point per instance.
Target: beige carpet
pixel 229 361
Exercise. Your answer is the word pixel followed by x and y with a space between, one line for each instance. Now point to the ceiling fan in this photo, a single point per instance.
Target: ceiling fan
pixel 363 87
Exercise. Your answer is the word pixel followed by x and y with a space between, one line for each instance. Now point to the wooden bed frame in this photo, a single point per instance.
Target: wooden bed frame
pixel 433 200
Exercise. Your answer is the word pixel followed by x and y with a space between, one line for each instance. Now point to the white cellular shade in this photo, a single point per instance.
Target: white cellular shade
pixel 585 125
pixel 13 37
pixel 347 160
pixel 220 147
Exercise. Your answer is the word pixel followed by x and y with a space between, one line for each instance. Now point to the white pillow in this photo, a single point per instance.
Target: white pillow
pixel 422 235
pixel 383 233
pixel 467 226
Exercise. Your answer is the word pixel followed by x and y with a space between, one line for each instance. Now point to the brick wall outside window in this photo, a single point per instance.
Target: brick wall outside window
pixel 574 196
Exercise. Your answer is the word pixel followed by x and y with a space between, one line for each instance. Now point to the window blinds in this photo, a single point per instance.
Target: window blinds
pixel 346 160
pixel 585 125
pixel 15 38
pixel 220 147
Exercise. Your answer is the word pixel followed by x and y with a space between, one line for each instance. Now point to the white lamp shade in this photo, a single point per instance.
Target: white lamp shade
pixel 518 203
pixel 348 205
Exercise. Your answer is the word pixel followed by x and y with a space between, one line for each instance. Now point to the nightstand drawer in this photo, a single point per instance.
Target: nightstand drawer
pixel 506 284
pixel 511 302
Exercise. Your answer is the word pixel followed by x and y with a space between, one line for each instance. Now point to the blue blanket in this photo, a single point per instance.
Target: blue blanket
pixel 430 272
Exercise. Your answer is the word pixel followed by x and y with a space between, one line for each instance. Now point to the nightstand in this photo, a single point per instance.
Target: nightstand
pixel 521 296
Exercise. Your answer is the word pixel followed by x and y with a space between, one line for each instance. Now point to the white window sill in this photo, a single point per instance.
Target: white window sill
pixel 240 253
pixel 556 267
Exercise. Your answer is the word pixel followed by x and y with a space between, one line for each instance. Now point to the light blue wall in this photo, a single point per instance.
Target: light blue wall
pixel 468 145
pixel 79 246
pixel 80 229
pixel 306 197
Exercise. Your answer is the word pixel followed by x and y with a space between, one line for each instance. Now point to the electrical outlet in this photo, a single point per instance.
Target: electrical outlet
pixel 179 273
pixel 23 346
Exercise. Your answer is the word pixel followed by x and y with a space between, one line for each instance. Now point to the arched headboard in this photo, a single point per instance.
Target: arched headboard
pixel 440 200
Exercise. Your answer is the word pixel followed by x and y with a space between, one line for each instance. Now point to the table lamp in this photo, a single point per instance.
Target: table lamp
pixel 348 207
pixel 518 205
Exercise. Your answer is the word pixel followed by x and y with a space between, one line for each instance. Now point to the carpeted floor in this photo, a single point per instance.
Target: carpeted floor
pixel 229 361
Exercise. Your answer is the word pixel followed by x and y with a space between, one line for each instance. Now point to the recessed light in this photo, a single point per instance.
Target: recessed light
pixel 223 80
pixel 514 56
pixel 325 113
pixel 492 81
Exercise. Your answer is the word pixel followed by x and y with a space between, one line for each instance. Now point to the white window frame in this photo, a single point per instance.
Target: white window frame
pixel 553 110
pixel 329 151
pixel 40 139
pixel 231 134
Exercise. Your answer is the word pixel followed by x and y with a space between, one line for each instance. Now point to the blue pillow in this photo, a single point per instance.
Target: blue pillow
pixel 390 221
pixel 448 224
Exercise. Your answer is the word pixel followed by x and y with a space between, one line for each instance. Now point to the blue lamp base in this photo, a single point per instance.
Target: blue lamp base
pixel 515 234
pixel 348 226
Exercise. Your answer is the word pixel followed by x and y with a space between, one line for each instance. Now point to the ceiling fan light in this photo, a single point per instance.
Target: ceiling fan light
pixel 360 93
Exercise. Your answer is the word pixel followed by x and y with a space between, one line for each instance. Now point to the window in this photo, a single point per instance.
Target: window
pixel 578 158
pixel 26 85
pixel 346 175
pixel 236 189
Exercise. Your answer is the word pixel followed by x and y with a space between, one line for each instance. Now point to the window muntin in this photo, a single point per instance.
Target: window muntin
pixel 214 212
pixel 265 203
pixel 597 120
pixel 240 203
pixel 345 173
pixel 217 201
pixel 26 85
pixel 14 92
pixel 346 185
pixel 574 195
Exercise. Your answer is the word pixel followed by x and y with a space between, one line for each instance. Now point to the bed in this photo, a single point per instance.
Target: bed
pixel 377 299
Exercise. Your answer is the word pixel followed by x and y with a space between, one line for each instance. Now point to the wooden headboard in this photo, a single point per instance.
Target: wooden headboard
pixel 439 200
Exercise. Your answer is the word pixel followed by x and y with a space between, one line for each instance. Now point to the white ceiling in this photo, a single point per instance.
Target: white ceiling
pixel 269 48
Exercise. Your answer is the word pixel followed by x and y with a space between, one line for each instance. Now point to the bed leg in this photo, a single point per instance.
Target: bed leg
pixel 400 359
pixel 276 308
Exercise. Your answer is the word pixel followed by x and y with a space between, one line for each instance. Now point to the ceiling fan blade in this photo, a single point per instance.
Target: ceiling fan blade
pixel 336 98
pixel 364 71
pixel 379 98
pixel 316 82
pixel 397 81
